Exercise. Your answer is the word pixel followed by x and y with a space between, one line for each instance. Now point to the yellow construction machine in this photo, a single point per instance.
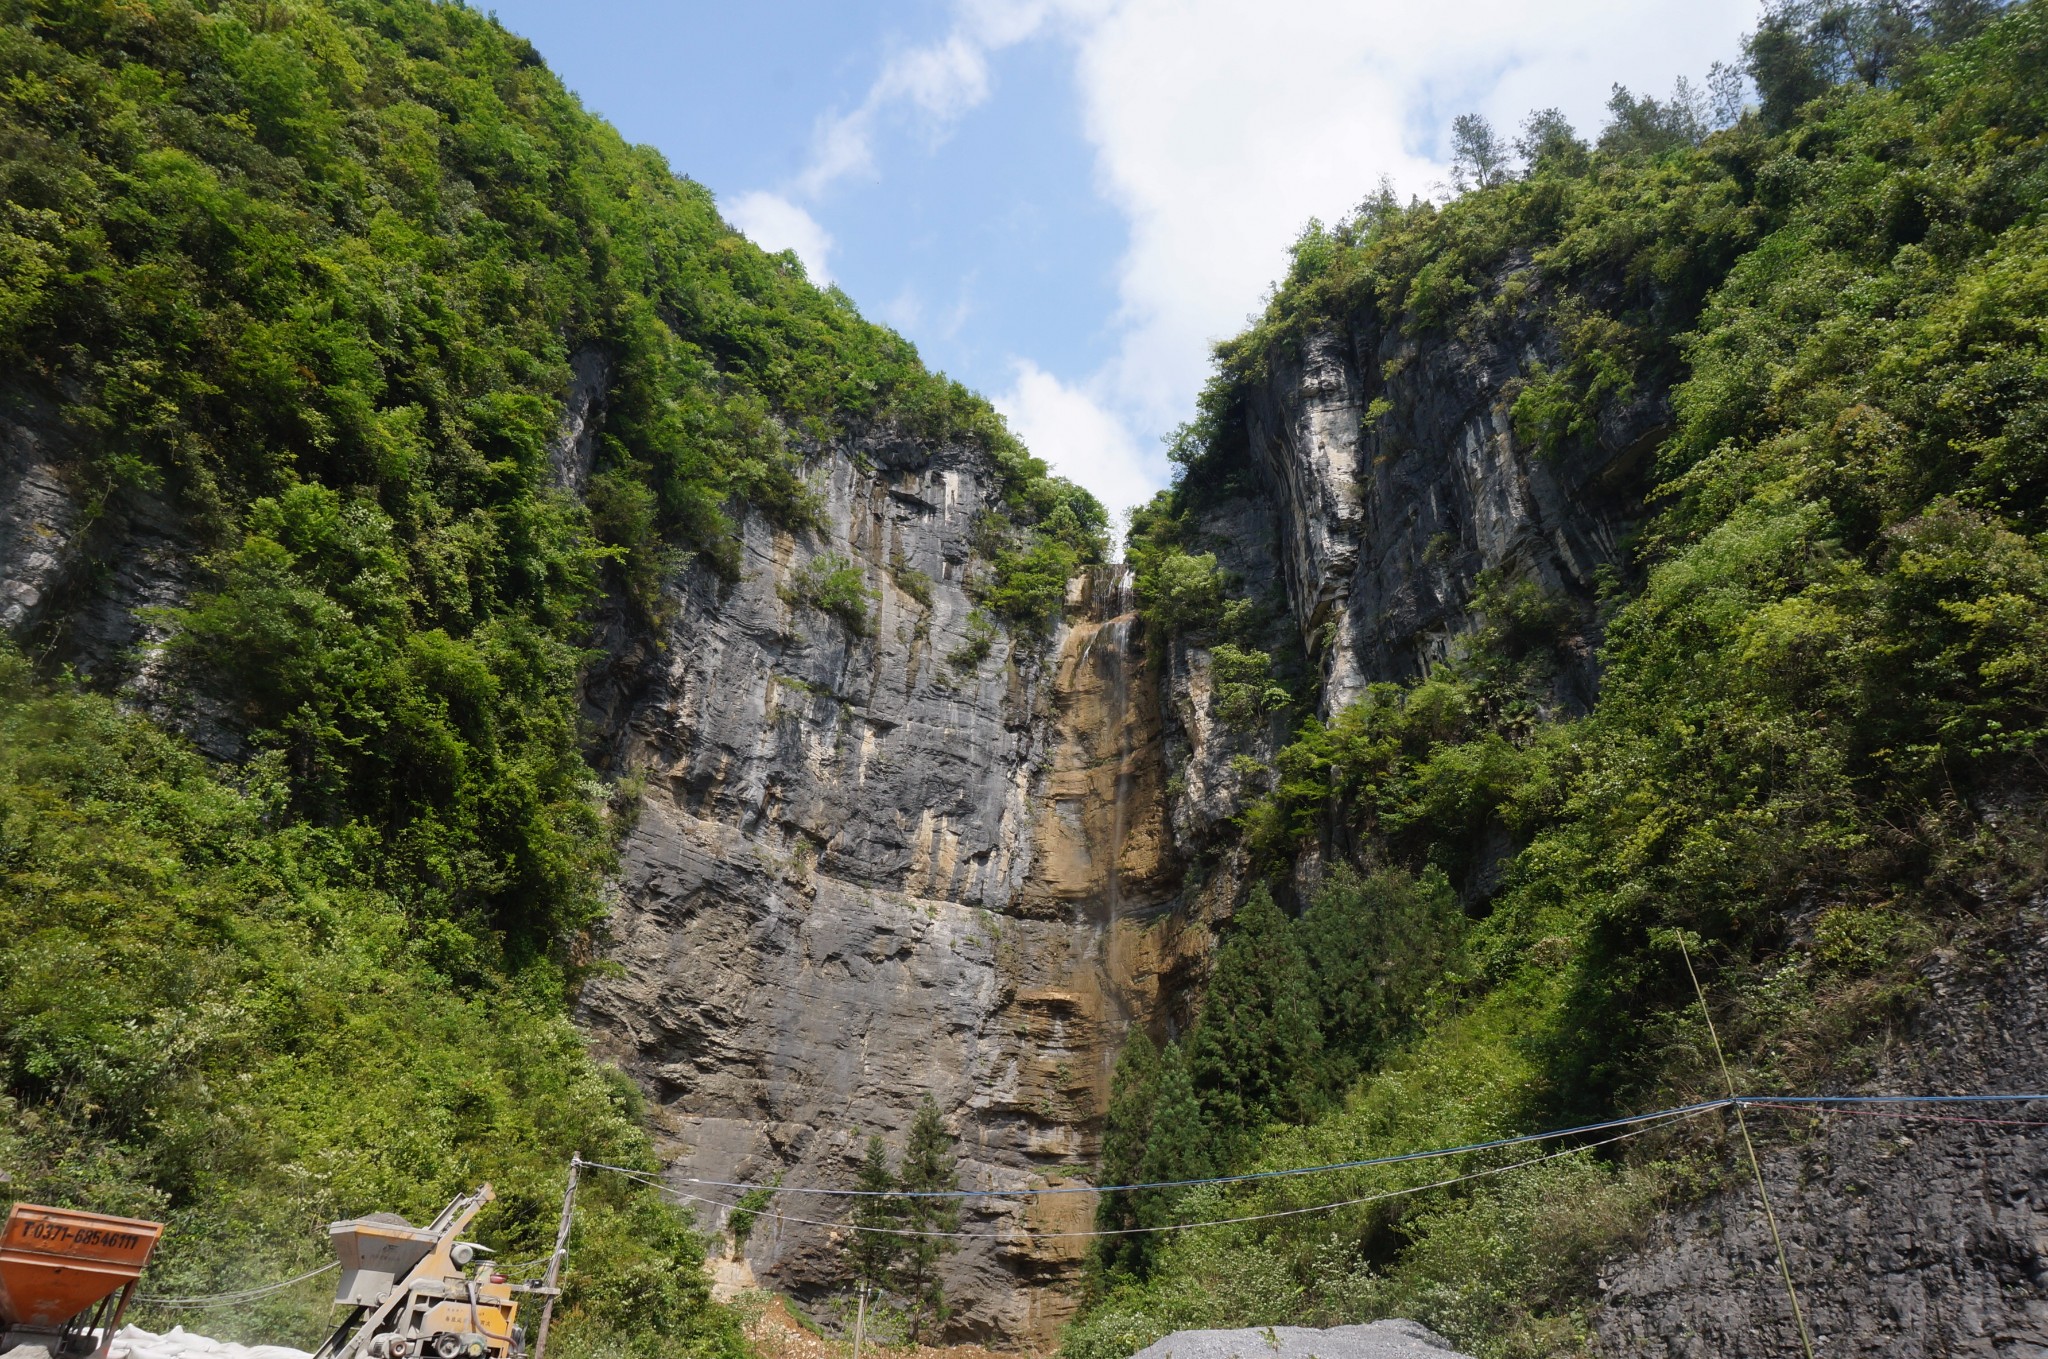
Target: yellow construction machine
pixel 422 1292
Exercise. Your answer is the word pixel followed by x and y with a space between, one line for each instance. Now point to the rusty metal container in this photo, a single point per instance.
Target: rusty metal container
pixel 56 1263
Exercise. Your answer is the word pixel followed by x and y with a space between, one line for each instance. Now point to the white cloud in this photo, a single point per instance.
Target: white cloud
pixel 1080 437
pixel 939 81
pixel 774 223
pixel 1220 128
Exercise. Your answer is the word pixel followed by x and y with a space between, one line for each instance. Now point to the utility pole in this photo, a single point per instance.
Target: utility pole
pixel 860 1319
pixel 551 1287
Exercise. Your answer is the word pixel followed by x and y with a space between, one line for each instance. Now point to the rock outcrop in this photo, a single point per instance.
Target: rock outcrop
pixel 904 856
pixel 83 577
pixel 1907 1231
pixel 883 859
pixel 1394 464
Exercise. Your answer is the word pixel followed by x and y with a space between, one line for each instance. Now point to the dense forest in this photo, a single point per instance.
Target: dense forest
pixel 312 275
pixel 1815 755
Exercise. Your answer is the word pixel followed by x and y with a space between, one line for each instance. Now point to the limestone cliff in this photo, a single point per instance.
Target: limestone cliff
pixel 1398 478
pixel 873 863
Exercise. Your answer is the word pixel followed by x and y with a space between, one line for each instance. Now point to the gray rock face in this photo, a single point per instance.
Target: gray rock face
pixel 574 448
pixel 1924 1236
pixel 1398 478
pixel 877 862
pixel 872 864
pixel 1380 1340
pixel 40 519
pixel 79 587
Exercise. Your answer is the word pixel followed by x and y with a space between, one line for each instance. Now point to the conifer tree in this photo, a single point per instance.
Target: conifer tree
pixel 930 1165
pixel 871 1249
pixel 1178 1146
pixel 1376 945
pixel 1132 1091
pixel 1257 1052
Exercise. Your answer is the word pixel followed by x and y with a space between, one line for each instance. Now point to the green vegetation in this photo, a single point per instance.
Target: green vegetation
pixel 1825 668
pixel 897 1238
pixel 314 272
pixel 214 1016
pixel 981 640
pixel 1027 578
pixel 747 1210
pixel 834 585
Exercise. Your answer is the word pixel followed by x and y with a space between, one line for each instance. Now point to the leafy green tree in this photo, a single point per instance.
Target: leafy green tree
pixel 1640 125
pixel 1548 144
pixel 1479 158
pixel 930 1166
pixel 1376 944
pixel 1256 1052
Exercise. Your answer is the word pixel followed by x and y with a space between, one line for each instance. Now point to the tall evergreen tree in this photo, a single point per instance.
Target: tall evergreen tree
pixel 1376 945
pixel 1178 1145
pixel 1257 1052
pixel 930 1165
pixel 871 1249
pixel 1133 1089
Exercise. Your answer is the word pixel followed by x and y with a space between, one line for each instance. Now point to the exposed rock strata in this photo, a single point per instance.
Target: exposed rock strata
pixel 1399 479
pixel 864 872
pixel 1904 1236
pixel 869 867
pixel 82 580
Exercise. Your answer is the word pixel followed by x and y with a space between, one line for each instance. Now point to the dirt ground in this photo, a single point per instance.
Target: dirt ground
pixel 777 1334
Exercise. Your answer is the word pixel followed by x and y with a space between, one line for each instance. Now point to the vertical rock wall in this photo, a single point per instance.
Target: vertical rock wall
pixel 1925 1236
pixel 1393 463
pixel 871 865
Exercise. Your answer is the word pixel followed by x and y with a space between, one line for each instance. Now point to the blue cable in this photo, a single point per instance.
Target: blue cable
pixel 1497 1143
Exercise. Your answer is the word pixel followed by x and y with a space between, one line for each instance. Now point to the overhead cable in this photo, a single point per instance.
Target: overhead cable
pixel 1523 1139
pixel 1028 1235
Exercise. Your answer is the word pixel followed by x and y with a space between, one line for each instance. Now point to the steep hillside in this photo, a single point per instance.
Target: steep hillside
pixel 359 383
pixel 1662 558
pixel 502 667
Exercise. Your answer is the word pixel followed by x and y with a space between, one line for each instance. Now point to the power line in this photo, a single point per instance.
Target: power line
pixel 1637 1125
pixel 240 1295
pixel 1773 1106
pixel 1028 1235
pixel 1739 1101
pixel 1520 1140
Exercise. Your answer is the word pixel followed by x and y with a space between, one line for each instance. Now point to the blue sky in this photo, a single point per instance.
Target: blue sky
pixel 1064 202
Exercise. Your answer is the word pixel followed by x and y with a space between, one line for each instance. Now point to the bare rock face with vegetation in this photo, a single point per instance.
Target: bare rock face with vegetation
pixel 1661 523
pixel 849 887
pixel 361 387
pixel 468 602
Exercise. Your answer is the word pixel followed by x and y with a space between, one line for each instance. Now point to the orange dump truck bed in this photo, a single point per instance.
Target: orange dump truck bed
pixel 56 1263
